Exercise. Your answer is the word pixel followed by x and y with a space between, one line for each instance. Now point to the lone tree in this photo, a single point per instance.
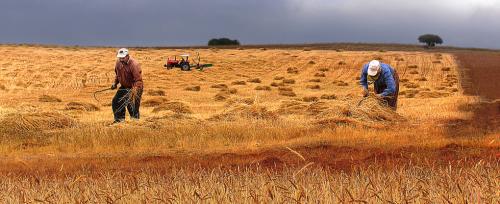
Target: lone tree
pixel 430 39
pixel 222 41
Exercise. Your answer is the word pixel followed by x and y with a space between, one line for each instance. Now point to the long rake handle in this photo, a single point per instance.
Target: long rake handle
pixel 99 91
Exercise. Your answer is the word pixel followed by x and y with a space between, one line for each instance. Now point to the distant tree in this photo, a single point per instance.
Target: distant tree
pixel 430 40
pixel 222 41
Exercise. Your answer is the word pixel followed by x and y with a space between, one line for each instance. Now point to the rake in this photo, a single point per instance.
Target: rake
pixel 99 91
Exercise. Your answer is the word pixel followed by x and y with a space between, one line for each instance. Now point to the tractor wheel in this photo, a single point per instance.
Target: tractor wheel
pixel 185 67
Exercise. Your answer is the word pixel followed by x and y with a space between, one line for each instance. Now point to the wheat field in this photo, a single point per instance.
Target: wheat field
pixel 261 125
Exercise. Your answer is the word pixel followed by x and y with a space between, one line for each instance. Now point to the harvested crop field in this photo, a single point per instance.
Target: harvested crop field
pixel 261 125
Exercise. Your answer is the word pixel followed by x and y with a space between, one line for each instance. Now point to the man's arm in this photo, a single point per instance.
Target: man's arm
pixel 363 80
pixel 116 74
pixel 137 75
pixel 113 86
pixel 391 84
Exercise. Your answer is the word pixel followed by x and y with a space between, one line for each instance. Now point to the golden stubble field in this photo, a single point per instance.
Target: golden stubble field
pixel 291 119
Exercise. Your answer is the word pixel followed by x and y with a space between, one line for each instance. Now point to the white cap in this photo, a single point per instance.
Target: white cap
pixel 123 52
pixel 373 67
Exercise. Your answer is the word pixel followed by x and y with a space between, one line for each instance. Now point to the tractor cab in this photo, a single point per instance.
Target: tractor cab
pixel 184 58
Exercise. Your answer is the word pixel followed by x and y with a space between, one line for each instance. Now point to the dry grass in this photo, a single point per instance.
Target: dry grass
pixel 252 112
pixel 223 119
pixel 433 94
pixel 405 184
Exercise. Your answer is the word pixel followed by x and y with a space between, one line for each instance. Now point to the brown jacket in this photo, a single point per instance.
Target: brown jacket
pixel 129 75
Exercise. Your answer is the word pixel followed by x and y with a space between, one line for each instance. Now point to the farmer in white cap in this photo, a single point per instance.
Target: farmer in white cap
pixel 129 76
pixel 385 81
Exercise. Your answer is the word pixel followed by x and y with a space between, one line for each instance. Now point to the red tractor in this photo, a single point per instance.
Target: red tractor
pixel 184 63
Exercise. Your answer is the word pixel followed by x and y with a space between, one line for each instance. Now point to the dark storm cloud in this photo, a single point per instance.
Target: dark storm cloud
pixel 193 22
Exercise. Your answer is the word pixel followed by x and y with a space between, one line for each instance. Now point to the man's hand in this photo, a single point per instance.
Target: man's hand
pixel 113 87
pixel 365 92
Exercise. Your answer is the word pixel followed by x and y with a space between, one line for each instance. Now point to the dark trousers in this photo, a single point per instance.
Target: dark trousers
pixel 391 101
pixel 122 100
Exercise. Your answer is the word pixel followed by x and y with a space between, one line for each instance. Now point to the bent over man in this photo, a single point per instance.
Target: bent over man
pixel 385 81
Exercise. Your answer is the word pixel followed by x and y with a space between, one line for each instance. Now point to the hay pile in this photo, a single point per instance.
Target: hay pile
pixel 286 91
pixel 310 99
pixel 255 80
pixel 167 118
pixel 315 86
pixel 193 88
pixel 49 99
pixel 237 101
pixel 174 106
pixel 225 94
pixel 340 83
pixel 263 88
pixel 346 112
pixel 238 83
pixel 154 102
pixel 289 81
pixel 433 94
pixel 156 93
pixel 292 108
pixel 409 93
pixel 219 86
pixel 372 110
pixel 292 70
pixel 83 106
pixel 33 122
pixel 254 112
pixel 302 107
pixel 329 96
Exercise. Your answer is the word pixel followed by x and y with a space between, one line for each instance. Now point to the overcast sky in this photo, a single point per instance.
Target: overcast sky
pixel 468 23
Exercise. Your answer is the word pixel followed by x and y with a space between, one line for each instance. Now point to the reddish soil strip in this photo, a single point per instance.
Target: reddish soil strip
pixel 481 73
pixel 323 155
